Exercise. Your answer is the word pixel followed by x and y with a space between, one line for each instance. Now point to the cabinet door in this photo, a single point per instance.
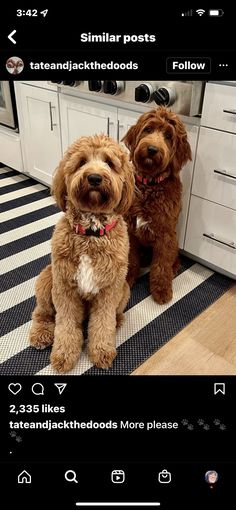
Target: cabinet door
pixel 80 117
pixel 40 131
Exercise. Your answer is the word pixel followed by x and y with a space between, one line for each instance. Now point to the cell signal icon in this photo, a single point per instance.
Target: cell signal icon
pixel 187 13
pixel 200 12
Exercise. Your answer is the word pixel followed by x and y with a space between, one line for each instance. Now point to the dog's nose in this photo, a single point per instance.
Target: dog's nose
pixel 94 179
pixel 152 150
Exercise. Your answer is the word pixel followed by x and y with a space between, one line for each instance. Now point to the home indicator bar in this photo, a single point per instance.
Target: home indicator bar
pixel 118 504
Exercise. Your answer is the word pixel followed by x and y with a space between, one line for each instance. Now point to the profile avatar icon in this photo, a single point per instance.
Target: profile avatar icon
pixel 14 65
pixel 211 477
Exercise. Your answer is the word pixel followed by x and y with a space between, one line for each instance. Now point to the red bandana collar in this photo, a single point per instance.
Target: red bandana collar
pixel 90 232
pixel 152 180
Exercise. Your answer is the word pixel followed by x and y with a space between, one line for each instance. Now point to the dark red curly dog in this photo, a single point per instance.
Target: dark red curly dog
pixel 158 149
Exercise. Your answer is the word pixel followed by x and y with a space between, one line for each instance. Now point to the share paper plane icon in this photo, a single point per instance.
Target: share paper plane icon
pixel 60 387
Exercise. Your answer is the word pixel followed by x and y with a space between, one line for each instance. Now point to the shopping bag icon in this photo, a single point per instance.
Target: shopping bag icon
pixel 164 476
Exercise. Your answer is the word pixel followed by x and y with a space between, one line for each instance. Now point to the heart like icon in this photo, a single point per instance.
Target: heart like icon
pixel 14 388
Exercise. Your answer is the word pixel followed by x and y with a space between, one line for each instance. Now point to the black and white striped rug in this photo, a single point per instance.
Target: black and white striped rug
pixel 28 216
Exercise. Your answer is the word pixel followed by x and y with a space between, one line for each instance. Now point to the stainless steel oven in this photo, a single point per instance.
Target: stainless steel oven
pixel 8 114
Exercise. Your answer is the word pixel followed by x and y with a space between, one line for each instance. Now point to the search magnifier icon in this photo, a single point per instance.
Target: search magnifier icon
pixel 70 476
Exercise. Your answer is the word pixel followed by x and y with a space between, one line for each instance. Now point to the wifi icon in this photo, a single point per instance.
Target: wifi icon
pixel 200 12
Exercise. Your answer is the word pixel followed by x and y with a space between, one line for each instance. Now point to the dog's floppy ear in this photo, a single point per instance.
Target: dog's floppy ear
pixel 128 186
pixel 183 153
pixel 59 185
pixel 183 149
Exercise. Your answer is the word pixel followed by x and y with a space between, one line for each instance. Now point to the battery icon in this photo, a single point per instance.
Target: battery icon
pixel 216 12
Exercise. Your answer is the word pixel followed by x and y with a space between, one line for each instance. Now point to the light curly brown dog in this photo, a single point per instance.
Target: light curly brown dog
pixel 158 149
pixel 94 186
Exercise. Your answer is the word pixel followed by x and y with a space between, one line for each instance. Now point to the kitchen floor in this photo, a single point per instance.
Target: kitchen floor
pixel 207 346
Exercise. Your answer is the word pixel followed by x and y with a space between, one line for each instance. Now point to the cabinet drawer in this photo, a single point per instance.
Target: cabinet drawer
pixel 215 167
pixel 213 220
pixel 219 107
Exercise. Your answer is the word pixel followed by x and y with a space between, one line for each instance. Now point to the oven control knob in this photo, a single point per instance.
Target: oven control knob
pixel 113 87
pixel 164 96
pixel 95 85
pixel 69 83
pixel 143 93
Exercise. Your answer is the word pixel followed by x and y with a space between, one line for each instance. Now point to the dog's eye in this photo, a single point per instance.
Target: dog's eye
pixel 147 130
pixel 109 162
pixel 82 162
pixel 168 136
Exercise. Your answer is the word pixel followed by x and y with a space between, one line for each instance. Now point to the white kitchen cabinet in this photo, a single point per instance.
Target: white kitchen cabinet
pixel 80 117
pixel 39 124
pixel 211 226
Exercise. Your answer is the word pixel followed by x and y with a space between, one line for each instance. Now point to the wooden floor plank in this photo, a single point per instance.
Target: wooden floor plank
pixel 206 346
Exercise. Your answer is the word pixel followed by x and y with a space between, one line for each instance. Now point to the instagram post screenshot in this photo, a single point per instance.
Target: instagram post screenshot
pixel 117 257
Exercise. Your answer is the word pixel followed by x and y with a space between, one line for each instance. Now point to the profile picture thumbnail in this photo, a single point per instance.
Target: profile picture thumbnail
pixel 14 65
pixel 211 477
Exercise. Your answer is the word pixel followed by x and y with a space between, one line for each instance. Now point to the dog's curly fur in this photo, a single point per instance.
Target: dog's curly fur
pixel 158 149
pixel 87 274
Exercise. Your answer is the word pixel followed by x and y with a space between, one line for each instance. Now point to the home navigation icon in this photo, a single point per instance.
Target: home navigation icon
pixel 24 477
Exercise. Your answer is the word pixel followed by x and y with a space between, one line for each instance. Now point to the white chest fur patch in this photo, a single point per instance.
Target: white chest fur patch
pixel 140 222
pixel 85 276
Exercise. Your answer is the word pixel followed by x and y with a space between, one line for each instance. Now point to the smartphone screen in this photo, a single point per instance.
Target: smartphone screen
pixel 117 258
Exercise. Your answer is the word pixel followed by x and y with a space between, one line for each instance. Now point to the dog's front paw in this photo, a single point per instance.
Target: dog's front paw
pixel 102 357
pixel 63 361
pixel 162 296
pixel 67 348
pixel 41 335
